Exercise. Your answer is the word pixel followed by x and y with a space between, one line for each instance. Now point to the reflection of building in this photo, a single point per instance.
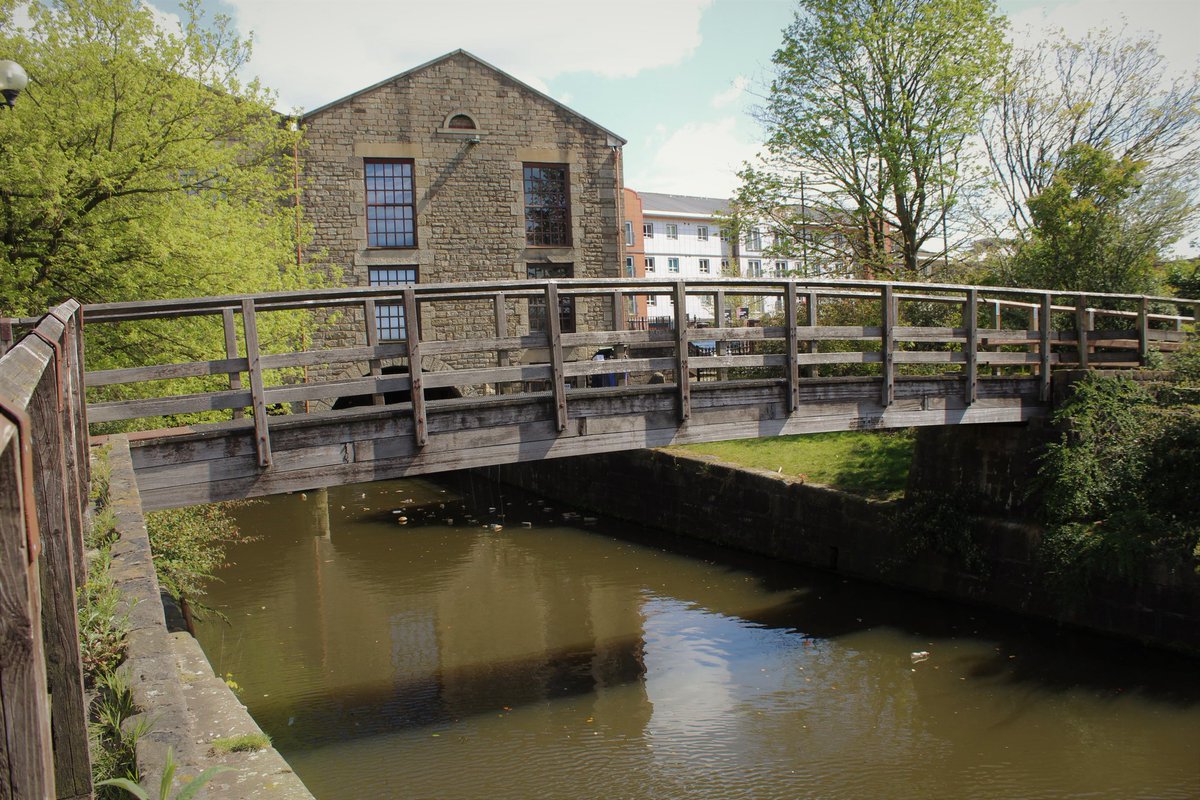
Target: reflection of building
pixel 455 171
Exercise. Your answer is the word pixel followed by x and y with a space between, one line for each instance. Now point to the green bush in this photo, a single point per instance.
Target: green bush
pixel 189 544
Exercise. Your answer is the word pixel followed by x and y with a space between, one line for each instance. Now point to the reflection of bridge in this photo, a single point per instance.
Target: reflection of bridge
pixel 838 356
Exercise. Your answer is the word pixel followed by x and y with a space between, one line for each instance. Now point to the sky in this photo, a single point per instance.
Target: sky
pixel 677 78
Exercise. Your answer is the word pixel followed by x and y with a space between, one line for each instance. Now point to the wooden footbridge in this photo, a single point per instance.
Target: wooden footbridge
pixel 832 356
pixel 251 415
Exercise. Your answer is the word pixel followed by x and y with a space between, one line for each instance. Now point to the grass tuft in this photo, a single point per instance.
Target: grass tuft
pixel 246 743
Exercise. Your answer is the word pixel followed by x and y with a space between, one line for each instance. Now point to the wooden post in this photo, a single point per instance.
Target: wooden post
pixel 374 365
pixel 1044 336
pixel 791 320
pixel 620 351
pixel 554 342
pixel 262 436
pixel 412 335
pixel 500 311
pixel 26 754
pixel 1143 324
pixel 971 348
pixel 231 351
pixel 811 320
pixel 6 335
pixel 1081 330
pixel 60 625
pixel 719 319
pixel 682 381
pixel 74 445
pixel 888 344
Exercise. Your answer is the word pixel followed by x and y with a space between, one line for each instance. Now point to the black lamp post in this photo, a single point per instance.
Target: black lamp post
pixel 12 80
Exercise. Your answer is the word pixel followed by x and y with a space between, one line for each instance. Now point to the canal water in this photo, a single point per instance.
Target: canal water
pixel 561 656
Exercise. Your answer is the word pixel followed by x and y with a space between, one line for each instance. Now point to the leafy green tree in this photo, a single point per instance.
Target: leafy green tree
pixel 1088 230
pixel 869 114
pixel 137 165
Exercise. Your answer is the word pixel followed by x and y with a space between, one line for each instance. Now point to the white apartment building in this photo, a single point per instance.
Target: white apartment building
pixel 682 238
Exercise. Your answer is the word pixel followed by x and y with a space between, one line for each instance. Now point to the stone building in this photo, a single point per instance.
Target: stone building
pixel 455 171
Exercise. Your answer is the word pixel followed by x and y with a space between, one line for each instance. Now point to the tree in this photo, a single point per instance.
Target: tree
pixel 1088 227
pixel 137 165
pixel 870 110
pixel 1107 91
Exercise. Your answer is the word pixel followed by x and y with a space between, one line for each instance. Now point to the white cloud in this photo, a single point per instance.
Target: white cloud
pixel 699 158
pixel 736 89
pixel 313 53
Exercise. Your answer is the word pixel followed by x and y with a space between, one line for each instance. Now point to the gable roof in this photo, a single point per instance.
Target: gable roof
pixel 477 60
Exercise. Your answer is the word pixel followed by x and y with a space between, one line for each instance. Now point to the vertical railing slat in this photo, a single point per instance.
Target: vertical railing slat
pixel 374 365
pixel 887 344
pixel 791 321
pixel 719 319
pixel 1081 331
pixel 500 312
pixel 554 343
pixel 1143 324
pixel 262 436
pixel 682 382
pixel 810 314
pixel 971 347
pixel 231 351
pixel 412 335
pixel 1044 337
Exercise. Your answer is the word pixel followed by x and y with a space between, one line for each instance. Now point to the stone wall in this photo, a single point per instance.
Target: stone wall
pixel 771 515
pixel 469 197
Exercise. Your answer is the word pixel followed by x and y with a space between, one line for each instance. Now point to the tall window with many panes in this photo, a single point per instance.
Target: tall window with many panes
pixel 391 202
pixel 537 305
pixel 547 205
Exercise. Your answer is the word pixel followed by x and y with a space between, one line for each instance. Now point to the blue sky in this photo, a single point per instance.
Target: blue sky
pixel 676 78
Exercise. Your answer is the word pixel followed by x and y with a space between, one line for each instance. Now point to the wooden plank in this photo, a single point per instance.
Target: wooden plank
pixel 374 365
pixel 887 348
pixel 868 357
pixel 412 334
pixel 790 322
pixel 500 317
pixel 231 352
pixel 481 345
pixel 841 332
pixel 262 436
pixel 1081 331
pixel 763 360
pixel 581 368
pixel 683 381
pixel 1044 372
pixel 1143 328
pixel 26 754
pixel 331 390
pixel 811 307
pixel 929 357
pixel 334 355
pixel 740 334
pixel 468 377
pixel 722 348
pixel 164 406
pixel 971 348
pixel 162 372
pixel 913 334
pixel 60 626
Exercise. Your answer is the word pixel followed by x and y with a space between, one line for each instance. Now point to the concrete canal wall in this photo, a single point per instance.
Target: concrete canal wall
pixel 994 563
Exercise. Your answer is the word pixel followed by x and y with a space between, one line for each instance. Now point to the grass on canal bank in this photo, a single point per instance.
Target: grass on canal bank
pixel 866 463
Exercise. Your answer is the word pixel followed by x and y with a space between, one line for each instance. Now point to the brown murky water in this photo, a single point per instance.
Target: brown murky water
pixel 580 659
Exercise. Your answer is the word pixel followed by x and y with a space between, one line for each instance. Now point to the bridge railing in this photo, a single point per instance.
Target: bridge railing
pixel 494 340
pixel 44 476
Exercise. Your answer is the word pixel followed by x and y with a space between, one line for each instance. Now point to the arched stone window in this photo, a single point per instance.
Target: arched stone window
pixel 461 122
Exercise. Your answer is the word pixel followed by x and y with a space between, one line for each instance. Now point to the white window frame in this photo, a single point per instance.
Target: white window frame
pixel 647 230
pixel 754 240
pixel 672 230
pixel 628 233
pixel 702 233
pixel 754 268
pixel 672 265
pixel 705 266
pixel 650 264
pixel 781 268
pixel 628 266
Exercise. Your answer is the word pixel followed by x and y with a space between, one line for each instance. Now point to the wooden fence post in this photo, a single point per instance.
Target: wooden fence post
pixel 682 381
pixel 791 320
pixel 1143 326
pixel 231 351
pixel 374 365
pixel 620 351
pixel 971 347
pixel 719 318
pixel 810 314
pixel 1081 330
pixel 26 755
pixel 554 343
pixel 262 436
pixel 887 345
pixel 60 624
pixel 500 311
pixel 1044 339
pixel 416 388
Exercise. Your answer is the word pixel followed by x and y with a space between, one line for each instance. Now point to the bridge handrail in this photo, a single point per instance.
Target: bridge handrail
pixel 44 474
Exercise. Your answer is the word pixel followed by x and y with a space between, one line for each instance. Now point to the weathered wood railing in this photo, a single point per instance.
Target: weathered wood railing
pixel 44 474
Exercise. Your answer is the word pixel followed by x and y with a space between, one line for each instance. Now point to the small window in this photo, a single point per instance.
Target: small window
pixel 628 266
pixel 649 264
pixel 461 122
pixel 780 269
pixel 648 230
pixel 652 300
pixel 754 268
pixel 754 239
pixel 672 230
pixel 537 305
pixel 704 268
pixel 389 317
pixel 724 264
pixel 702 233
pixel 628 233
pixel 672 265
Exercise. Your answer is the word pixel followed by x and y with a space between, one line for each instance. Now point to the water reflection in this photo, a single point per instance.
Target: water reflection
pixel 442 658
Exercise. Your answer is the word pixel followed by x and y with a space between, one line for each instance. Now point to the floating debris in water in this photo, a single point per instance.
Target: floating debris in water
pixel 590 520
pixel 526 524
pixel 919 656
pixel 401 520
